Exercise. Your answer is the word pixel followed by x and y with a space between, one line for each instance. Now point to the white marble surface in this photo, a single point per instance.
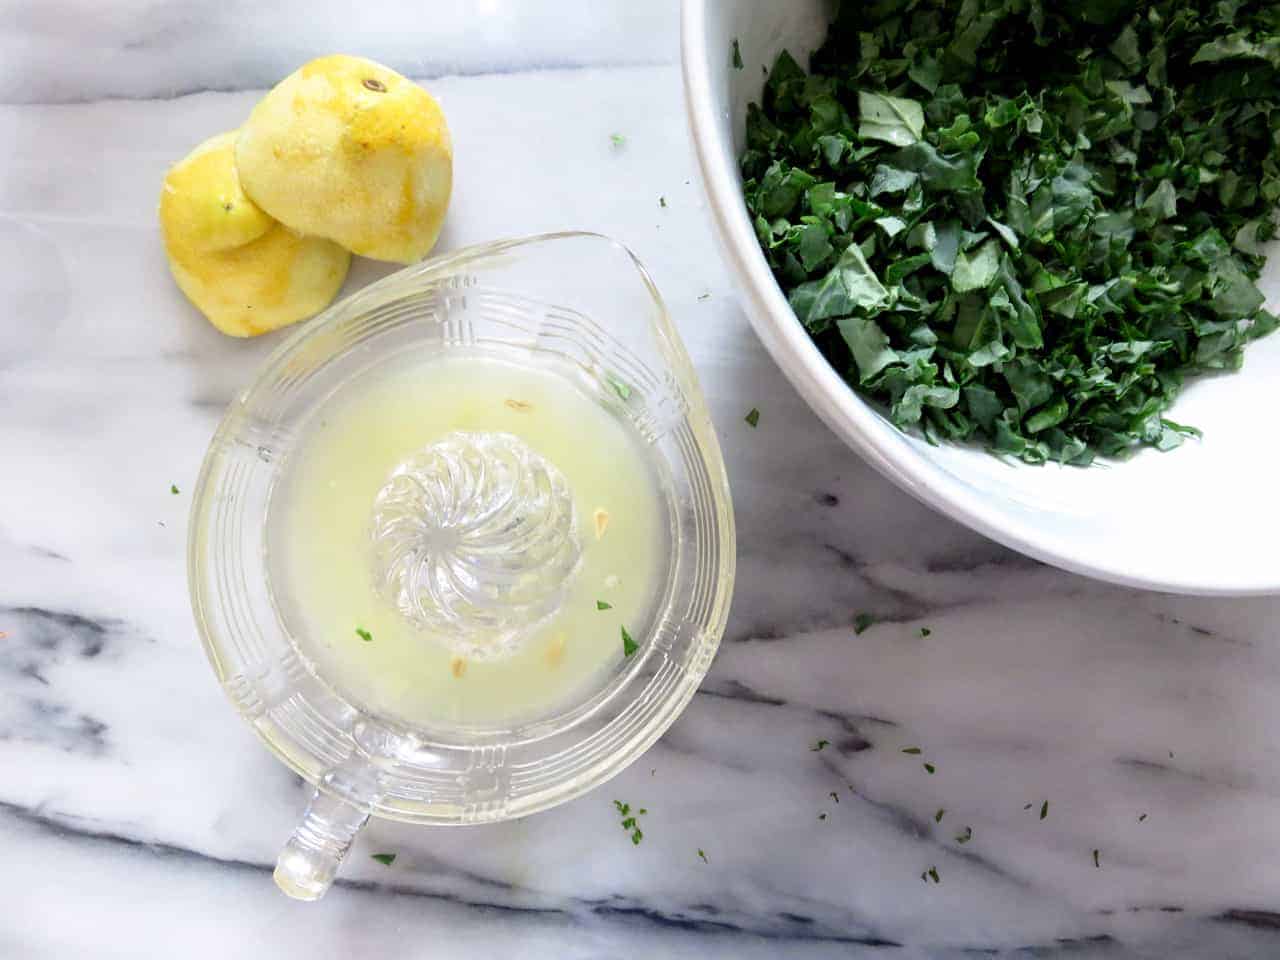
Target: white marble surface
pixel 138 817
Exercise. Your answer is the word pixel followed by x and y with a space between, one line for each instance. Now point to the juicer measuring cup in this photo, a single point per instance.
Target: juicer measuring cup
pixel 582 303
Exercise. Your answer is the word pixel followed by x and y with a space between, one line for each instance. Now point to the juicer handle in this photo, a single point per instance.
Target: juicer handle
pixel 306 866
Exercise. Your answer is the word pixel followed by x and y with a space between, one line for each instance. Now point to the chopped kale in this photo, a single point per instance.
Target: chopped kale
pixel 1021 223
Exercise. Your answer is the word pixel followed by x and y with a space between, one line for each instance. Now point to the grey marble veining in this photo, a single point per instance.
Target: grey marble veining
pixel 139 817
pixel 72 51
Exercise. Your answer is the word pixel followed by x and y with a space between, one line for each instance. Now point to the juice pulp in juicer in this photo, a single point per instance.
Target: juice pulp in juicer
pixel 462 540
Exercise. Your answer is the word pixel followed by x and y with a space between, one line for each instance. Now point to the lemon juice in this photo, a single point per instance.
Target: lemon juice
pixel 463 540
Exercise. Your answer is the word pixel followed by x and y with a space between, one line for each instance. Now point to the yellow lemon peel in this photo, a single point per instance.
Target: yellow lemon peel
pixel 244 271
pixel 347 149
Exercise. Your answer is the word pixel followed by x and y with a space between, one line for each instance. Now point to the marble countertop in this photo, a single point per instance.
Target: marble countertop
pixel 140 818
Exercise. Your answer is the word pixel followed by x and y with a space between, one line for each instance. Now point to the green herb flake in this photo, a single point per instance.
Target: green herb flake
pixel 835 797
pixel 173 488
pixel 966 836
pixel 662 202
pixel 861 622
pixel 1095 859
pixel 630 820
pixel 603 605
pixel 702 855
pixel 1025 225
pixel 929 768
pixel 752 417
pixel 820 745
pixel 925 632
pixel 931 874
pixel 629 646
pixel 386 859
pixel 364 634
pixel 737 55
pixel 703 296
pixel 914 751
pixel 621 389
pixel 617 139
pixel 937 817
pixel 1044 809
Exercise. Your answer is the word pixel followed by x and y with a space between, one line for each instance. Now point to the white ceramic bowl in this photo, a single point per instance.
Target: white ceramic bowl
pixel 1201 519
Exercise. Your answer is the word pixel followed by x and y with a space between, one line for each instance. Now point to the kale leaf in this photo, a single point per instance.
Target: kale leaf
pixel 1021 223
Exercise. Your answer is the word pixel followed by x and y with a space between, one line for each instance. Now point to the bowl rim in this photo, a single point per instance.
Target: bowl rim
pixel 855 421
